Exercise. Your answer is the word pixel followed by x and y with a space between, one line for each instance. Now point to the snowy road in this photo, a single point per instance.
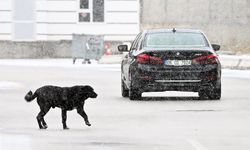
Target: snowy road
pixel 161 121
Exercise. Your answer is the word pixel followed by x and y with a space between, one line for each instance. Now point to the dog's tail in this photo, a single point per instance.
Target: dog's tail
pixel 30 96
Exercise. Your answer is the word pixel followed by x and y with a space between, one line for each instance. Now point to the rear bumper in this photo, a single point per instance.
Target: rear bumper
pixel 174 86
pixel 150 79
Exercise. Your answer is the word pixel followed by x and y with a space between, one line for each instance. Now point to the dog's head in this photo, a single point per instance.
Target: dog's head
pixel 89 91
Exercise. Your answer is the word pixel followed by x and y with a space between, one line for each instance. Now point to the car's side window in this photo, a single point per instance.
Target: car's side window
pixel 135 42
pixel 132 46
pixel 139 43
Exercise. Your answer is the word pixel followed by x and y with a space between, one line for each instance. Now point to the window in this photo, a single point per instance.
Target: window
pixel 84 17
pixel 134 45
pixel 84 4
pixel 23 20
pixel 98 10
pixel 91 11
pixel 176 40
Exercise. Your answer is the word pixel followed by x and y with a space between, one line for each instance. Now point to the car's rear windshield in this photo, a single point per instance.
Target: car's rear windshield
pixel 176 40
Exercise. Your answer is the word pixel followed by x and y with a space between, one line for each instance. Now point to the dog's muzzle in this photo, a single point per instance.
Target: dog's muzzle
pixel 93 95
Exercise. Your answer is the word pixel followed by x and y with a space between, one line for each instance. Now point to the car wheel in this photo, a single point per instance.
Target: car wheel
pixel 125 91
pixel 134 94
pixel 215 94
pixel 203 95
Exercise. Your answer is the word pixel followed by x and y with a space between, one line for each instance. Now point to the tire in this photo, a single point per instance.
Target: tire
pixel 124 90
pixel 203 95
pixel 134 94
pixel 215 94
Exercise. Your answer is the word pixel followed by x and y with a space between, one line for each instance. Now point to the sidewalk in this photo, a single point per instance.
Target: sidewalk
pixel 235 61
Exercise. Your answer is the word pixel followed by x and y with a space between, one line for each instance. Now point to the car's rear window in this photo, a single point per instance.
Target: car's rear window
pixel 175 40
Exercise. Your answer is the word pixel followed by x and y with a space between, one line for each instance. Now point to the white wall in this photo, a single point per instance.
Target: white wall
pixel 5 19
pixel 58 19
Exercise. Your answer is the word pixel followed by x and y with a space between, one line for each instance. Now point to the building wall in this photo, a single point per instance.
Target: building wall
pixel 35 49
pixel 225 22
pixel 57 20
pixel 5 20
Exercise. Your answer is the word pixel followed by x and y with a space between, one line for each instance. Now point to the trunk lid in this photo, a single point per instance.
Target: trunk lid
pixel 176 54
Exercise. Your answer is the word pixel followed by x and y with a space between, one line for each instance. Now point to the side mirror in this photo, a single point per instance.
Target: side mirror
pixel 123 48
pixel 216 47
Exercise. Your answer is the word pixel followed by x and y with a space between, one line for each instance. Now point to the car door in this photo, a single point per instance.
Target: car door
pixel 129 58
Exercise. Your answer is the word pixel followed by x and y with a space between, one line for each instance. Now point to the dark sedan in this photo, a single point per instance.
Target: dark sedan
pixel 171 60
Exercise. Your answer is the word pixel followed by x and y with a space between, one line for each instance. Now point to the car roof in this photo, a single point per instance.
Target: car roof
pixel 172 30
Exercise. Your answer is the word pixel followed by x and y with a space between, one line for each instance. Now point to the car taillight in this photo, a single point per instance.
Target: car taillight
pixel 208 59
pixel 147 59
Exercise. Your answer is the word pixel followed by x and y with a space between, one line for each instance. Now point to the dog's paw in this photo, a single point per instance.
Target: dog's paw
pixel 88 124
pixel 65 128
pixel 43 128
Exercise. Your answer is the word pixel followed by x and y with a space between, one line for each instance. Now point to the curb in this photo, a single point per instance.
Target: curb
pixel 235 62
pixel 111 59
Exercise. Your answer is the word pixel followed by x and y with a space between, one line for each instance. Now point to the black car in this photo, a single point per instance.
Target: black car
pixel 171 60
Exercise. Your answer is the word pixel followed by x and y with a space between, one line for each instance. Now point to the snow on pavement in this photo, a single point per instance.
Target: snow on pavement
pixel 64 63
pixel 236 73
pixel 8 85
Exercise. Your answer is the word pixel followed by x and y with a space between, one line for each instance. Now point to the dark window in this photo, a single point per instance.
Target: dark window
pixel 84 4
pixel 84 17
pixel 98 10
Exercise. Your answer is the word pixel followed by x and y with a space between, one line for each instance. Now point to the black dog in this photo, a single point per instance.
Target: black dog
pixel 66 98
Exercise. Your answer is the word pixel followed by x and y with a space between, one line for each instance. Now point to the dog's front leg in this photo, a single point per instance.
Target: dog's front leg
pixel 81 112
pixel 64 118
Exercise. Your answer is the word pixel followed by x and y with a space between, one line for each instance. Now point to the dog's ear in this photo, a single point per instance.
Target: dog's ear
pixel 88 88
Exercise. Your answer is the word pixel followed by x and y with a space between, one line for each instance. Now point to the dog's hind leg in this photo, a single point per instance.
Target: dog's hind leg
pixel 81 112
pixel 46 110
pixel 40 117
pixel 39 120
pixel 64 118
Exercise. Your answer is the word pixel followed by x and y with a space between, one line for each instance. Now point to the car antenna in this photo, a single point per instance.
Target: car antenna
pixel 174 30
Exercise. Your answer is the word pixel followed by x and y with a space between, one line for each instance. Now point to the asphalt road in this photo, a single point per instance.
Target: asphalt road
pixel 169 120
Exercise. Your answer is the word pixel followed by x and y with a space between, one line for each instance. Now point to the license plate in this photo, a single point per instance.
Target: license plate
pixel 178 62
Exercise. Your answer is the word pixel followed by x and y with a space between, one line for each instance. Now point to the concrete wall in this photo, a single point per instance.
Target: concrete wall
pixel 38 49
pixel 226 22
pixel 43 49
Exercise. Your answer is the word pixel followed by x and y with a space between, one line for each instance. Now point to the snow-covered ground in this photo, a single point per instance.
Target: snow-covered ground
pixel 6 85
pixel 175 122
pixel 236 73
pixel 65 63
